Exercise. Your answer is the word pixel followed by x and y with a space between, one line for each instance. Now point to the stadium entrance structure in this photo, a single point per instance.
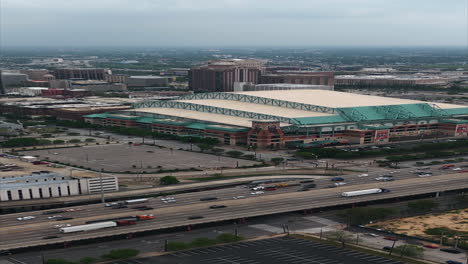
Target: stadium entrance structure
pixel 276 118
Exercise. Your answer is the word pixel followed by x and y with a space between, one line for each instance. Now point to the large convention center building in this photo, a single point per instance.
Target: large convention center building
pixel 299 118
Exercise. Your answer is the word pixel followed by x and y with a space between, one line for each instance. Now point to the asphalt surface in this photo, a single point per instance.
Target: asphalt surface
pixel 31 232
pixel 272 251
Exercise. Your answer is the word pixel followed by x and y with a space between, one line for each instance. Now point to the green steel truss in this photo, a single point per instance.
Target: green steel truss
pixel 250 99
pixel 212 109
pixel 393 112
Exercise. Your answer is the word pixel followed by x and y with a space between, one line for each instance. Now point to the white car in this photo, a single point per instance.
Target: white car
pixel 372 235
pixel 457 169
pixel 62 225
pixel 257 193
pixel 54 216
pixel 340 183
pixel 238 197
pixel 170 201
pixel 425 175
pixel 363 175
pixel 167 198
pixel 25 218
pixel 258 188
pixel 111 204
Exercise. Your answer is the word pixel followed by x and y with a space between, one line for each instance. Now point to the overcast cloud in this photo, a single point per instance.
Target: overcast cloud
pixel 233 22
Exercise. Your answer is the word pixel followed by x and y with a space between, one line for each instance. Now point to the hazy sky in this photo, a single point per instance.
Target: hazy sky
pixel 233 22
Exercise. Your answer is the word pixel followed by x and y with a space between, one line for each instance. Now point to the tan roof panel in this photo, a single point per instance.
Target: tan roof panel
pixel 256 108
pixel 336 99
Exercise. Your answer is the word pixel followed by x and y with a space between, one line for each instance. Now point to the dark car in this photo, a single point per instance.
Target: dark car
pixel 50 237
pixel 307 181
pixel 217 206
pixel 208 198
pixel 119 207
pixel 63 218
pixel 387 248
pixel 453 262
pixel 5 252
pixel 332 186
pixel 451 250
pixel 390 238
pixel 303 190
pixel 195 217
pixel 335 179
pixel 310 185
pixel 146 208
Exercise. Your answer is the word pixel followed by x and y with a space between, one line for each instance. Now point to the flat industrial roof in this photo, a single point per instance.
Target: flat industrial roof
pixel 195 115
pixel 256 108
pixel 336 99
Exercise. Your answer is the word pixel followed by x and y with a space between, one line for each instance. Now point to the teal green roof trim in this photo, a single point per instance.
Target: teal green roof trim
pixel 374 127
pixel 454 121
pixel 319 120
pixel 457 111
pixel 146 120
pixel 159 121
pixel 391 112
pixel 104 115
pixel 200 126
pixel 230 129
pixel 123 117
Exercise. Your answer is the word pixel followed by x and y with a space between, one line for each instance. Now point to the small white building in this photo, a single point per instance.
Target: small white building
pixel 45 184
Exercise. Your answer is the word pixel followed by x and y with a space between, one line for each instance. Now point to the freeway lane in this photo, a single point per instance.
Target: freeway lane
pixel 177 215
pixel 193 198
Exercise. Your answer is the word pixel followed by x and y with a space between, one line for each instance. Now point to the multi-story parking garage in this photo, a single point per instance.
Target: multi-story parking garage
pixel 293 117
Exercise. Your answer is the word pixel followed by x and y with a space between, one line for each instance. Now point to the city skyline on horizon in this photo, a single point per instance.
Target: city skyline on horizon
pixel 234 23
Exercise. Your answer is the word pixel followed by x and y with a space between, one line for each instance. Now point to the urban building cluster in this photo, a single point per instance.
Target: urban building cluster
pixel 45 184
pixel 72 109
pixel 225 75
pixel 279 118
pixel 73 82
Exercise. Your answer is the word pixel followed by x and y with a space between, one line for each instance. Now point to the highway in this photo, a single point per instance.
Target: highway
pixel 31 232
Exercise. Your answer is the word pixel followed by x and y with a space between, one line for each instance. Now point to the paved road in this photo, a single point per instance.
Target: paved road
pixel 174 215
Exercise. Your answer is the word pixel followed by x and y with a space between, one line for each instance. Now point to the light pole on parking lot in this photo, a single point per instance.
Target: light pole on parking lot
pixel 102 189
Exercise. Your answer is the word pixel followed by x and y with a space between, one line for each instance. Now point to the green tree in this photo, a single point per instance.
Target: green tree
pixel 59 261
pixel 90 140
pixel 227 238
pixel 172 246
pixel 203 147
pixel 277 161
pixel 341 236
pixel 121 253
pixel 362 215
pixel 218 150
pixel 202 242
pixel 422 205
pixel 20 142
pixel 234 153
pixel 88 260
pixel 75 140
pixel 58 141
pixel 412 251
pixel 168 180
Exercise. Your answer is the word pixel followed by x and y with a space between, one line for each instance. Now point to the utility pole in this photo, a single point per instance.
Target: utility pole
pixel 102 188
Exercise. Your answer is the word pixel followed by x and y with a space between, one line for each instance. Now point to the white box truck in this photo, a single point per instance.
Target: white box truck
pixel 89 227
pixel 364 192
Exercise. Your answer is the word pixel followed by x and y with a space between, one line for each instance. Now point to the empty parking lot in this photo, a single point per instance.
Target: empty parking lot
pixel 125 157
pixel 272 251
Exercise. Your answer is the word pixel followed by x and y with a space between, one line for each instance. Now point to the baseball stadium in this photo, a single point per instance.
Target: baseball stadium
pixel 300 118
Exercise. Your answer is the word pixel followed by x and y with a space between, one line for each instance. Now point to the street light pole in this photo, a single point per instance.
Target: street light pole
pixel 102 188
